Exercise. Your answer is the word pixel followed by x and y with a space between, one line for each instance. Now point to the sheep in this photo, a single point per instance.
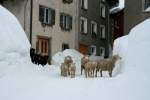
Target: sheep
pixel 68 60
pixel 90 68
pixel 72 70
pixel 107 65
pixel 84 60
pixel 64 69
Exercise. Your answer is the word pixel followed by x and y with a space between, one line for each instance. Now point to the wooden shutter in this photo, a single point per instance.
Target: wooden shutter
pixel 41 14
pixel 61 20
pixel 70 23
pixel 52 17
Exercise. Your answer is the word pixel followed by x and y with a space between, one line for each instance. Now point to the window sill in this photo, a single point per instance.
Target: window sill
pixel 46 24
pixel 144 11
pixel 63 29
pixel 83 33
pixel 85 9
pixel 103 17
pixel 103 38
pixel 147 10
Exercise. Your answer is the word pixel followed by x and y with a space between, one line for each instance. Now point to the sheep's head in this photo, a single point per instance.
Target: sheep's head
pixel 85 59
pixel 68 60
pixel 116 57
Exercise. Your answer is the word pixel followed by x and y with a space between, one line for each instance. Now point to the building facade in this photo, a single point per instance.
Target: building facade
pixel 53 23
pixel 117 24
pixel 136 11
pixel 93 37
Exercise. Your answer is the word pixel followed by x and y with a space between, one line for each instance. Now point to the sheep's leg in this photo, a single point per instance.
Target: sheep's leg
pixel 96 72
pixel 93 74
pixel 61 72
pixel 81 70
pixel 101 72
pixel 85 73
pixel 110 73
pixel 88 73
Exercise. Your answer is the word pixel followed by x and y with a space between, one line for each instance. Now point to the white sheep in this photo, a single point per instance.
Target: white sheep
pixel 107 65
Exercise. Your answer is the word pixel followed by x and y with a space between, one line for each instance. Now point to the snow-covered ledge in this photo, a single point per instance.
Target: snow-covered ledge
pixel 118 8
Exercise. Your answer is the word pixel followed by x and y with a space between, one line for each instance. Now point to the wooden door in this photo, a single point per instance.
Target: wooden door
pixel 83 49
pixel 43 45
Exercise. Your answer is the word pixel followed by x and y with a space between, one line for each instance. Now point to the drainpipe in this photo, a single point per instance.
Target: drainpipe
pixel 31 16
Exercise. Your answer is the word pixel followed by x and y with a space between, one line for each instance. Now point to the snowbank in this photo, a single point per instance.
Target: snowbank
pixel 12 36
pixel 134 48
pixel 13 41
pixel 119 7
pixel 58 58
pixel 148 9
pixel 120 47
pixel 139 46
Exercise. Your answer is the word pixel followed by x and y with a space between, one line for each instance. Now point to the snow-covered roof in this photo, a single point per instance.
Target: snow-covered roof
pixel 118 7
pixel 148 9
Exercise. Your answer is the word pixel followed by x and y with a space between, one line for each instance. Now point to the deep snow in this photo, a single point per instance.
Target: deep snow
pixel 59 57
pixel 21 80
pixel 12 36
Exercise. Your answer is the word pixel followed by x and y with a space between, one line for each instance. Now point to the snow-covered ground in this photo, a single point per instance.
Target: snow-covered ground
pixel 22 80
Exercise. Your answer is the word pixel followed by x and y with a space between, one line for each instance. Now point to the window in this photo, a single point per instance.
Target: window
pixel 83 25
pixel 146 4
pixel 84 4
pixel 65 46
pixel 65 22
pixel 93 29
pixel 46 15
pixel 93 50
pixel 67 1
pixel 102 51
pixel 103 0
pixel 102 10
pixel 102 32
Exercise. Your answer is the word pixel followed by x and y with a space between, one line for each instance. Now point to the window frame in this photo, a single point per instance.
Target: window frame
pixel 84 4
pixel 91 51
pixel 66 22
pixel 102 32
pixel 102 10
pixel 48 16
pixel 85 25
pixel 93 30
pixel 63 46
pixel 102 51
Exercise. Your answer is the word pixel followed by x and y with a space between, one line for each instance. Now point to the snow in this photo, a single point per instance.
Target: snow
pixel 119 7
pixel 13 38
pixel 59 57
pixel 135 60
pixel 22 80
pixel 148 9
